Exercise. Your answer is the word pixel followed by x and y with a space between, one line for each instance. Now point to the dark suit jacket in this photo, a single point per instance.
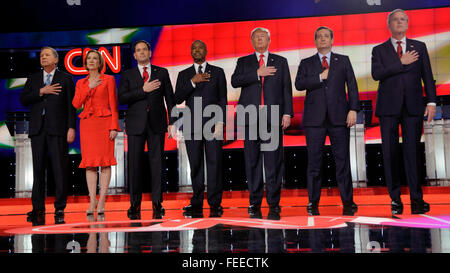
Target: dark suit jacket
pixel 402 82
pixel 277 88
pixel 60 115
pixel 328 95
pixel 212 92
pixel 131 92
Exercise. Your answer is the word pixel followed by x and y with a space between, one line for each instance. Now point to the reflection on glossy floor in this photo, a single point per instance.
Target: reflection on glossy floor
pixel 371 229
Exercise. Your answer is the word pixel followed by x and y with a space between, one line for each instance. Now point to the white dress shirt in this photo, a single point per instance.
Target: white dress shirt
pixel 52 74
pixel 196 65
pixel 141 70
pixel 394 43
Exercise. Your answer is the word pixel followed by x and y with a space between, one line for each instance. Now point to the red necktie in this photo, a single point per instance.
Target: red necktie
pixel 324 62
pixel 399 49
pixel 145 74
pixel 261 64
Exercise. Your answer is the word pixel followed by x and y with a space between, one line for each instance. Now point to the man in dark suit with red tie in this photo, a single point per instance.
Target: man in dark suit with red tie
pixel 207 84
pixel 400 64
pixel 265 82
pixel 144 89
pixel 327 111
pixel 49 93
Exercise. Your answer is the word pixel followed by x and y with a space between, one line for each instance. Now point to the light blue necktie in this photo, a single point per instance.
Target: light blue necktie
pixel 47 82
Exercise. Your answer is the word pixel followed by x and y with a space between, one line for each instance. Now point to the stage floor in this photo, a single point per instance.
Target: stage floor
pixel 371 229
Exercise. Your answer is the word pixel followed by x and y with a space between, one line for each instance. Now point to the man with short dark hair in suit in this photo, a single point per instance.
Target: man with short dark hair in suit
pixel 265 82
pixel 206 83
pixel 327 111
pixel 49 93
pixel 144 89
pixel 401 64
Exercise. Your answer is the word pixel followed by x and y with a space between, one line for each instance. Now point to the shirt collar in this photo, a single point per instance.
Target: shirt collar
pixel 266 54
pixel 328 55
pixel 196 65
pixel 51 73
pixel 141 67
pixel 394 41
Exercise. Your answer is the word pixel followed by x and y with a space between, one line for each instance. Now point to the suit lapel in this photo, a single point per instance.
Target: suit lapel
pixel 154 72
pixel 208 69
pixel 409 45
pixel 270 60
pixel 191 72
pixel 254 61
pixel 41 79
pixel 390 49
pixel 137 74
pixel 317 63
pixel 333 62
pixel 56 77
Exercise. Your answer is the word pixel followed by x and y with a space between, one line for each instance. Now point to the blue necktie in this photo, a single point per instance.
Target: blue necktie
pixel 47 82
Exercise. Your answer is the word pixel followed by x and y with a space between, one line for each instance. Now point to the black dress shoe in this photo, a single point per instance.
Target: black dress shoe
pixel 193 214
pixel 419 206
pixel 275 208
pixel 192 208
pixel 274 213
pixel 59 219
pixel 396 207
pixel 255 211
pixel 59 213
pixel 157 215
pixel 38 220
pixel 254 208
pixel 36 217
pixel 158 208
pixel 215 211
pixel 134 212
pixel 35 213
pixel 313 208
pixel 350 208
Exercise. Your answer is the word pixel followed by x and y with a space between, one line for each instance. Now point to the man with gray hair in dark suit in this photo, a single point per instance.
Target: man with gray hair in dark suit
pixel 400 65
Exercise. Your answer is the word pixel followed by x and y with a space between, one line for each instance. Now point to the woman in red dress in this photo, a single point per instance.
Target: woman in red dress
pixel 99 123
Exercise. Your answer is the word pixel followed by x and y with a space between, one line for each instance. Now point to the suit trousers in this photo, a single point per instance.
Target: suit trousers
pixel 340 146
pixel 136 147
pixel 42 144
pixel 196 151
pixel 272 161
pixel 411 132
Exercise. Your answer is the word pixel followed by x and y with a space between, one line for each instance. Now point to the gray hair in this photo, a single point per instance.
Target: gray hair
pixel 55 53
pixel 260 29
pixel 323 27
pixel 395 11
